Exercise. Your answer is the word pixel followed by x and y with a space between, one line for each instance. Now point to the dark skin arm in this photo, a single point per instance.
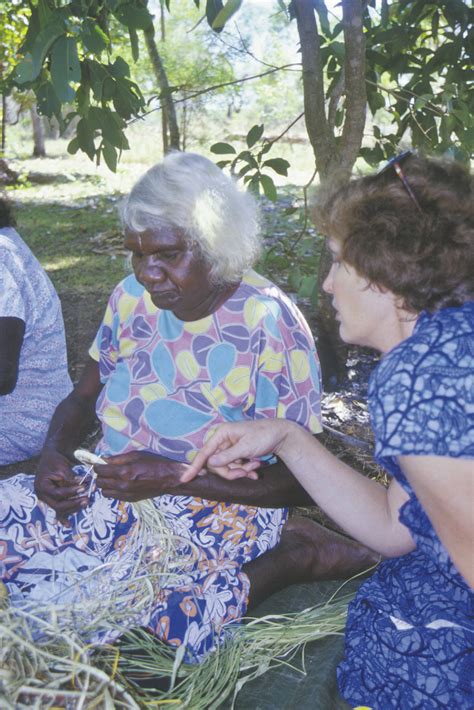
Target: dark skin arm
pixel 12 332
pixel 139 475
pixel 55 482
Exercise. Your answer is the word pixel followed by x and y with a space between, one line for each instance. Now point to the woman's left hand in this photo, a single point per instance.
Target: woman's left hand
pixel 138 475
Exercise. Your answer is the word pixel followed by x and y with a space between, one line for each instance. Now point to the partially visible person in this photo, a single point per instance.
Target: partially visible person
pixel 193 338
pixel 33 361
pixel 402 281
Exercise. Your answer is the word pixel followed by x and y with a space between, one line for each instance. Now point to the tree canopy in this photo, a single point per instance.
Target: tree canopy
pixel 406 62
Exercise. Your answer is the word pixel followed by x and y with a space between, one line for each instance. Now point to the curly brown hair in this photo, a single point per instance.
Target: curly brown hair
pixel 421 251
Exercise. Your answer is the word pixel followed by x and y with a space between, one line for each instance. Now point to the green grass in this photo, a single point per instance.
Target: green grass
pixel 61 239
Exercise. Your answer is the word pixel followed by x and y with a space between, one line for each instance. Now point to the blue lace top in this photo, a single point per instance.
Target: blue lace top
pixel 410 631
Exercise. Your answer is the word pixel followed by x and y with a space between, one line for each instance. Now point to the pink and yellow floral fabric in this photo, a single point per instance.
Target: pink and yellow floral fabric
pixel 167 384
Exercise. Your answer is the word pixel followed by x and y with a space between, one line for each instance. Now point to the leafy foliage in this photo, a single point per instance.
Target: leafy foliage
pixel 418 71
pixel 63 62
pixel 249 164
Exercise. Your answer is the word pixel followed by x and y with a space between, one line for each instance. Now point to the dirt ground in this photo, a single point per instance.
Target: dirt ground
pixel 82 316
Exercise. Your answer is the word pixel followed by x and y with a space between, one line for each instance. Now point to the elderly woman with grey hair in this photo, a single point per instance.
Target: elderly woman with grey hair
pixel 193 338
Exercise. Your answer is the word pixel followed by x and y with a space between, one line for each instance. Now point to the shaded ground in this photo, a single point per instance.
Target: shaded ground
pixel 82 316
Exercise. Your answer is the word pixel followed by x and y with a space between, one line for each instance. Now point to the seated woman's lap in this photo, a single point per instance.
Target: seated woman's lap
pixel 39 556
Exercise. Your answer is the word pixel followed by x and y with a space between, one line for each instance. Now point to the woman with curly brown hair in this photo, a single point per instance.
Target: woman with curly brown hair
pixel 402 282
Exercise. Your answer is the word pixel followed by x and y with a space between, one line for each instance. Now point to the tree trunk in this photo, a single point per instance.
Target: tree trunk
pixel 334 158
pixel 39 148
pixel 4 124
pixel 164 110
pixel 165 93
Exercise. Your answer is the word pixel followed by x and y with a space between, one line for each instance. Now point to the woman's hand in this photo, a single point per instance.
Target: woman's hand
pixel 56 485
pixel 138 475
pixel 241 441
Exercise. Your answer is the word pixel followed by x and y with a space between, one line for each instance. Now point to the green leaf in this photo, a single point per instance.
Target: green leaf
pixel 98 74
pixel 321 9
pixel 294 278
pixel 222 148
pixel 108 88
pixel 85 137
pixel 110 156
pixel 83 97
pixel 137 18
pixel 248 157
pixel 268 187
pixel 119 69
pixel 128 101
pixel 307 286
pixel 223 163
pixel 229 9
pixel 134 43
pixel 44 12
pixel 213 8
pixel 23 72
pixel 375 101
pixel 279 165
pixel 338 50
pixel 93 37
pixel 435 24
pixel 254 134
pixel 253 184
pixel 110 126
pixel 31 33
pixel 65 68
pixel 73 146
pixel 243 171
pixel 48 102
pixel 44 42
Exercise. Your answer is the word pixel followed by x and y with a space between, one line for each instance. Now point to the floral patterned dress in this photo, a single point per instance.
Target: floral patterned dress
pixel 410 631
pixel 167 384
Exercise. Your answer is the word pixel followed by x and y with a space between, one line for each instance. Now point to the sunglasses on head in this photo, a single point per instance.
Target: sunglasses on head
pixel 396 165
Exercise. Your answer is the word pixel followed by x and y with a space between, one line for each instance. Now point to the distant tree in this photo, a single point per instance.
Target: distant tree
pixel 39 147
pixel 13 26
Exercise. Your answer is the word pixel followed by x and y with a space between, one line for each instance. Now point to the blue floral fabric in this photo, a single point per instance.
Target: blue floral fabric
pixel 410 630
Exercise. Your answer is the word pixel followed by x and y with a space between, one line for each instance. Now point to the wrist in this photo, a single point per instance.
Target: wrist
pixel 291 443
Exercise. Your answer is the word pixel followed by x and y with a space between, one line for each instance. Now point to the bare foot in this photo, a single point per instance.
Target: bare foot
pixel 307 552
pixel 324 554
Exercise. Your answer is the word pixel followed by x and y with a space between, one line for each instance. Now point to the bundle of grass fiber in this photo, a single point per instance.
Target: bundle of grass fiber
pixel 247 651
pixel 60 671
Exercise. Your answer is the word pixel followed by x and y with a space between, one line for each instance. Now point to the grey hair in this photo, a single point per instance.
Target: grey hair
pixel 189 192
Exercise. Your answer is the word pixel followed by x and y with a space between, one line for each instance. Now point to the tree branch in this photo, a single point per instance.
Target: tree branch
pixel 355 87
pixel 162 79
pixel 208 89
pixel 335 95
pixel 320 137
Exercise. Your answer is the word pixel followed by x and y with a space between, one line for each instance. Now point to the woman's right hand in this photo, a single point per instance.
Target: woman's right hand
pixel 56 485
pixel 240 441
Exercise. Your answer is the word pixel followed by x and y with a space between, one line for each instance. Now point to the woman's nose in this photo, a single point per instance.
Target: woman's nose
pixel 151 271
pixel 327 283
